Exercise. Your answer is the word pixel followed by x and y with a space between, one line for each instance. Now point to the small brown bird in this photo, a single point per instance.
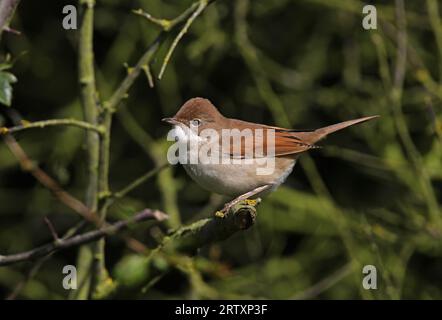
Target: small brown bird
pixel 242 179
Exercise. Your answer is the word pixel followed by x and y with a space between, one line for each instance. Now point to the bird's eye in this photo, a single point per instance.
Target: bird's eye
pixel 195 122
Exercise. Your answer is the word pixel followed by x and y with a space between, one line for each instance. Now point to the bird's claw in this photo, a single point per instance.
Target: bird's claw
pixel 251 202
pixel 220 214
pixel 223 213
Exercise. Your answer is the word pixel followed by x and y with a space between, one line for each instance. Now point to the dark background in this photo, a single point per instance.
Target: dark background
pixel 363 199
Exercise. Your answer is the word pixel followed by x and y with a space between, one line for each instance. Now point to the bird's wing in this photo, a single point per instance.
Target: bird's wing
pixel 258 140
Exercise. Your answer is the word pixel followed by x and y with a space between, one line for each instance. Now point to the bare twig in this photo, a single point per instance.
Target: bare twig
pixel 121 92
pixel 50 123
pixel 148 74
pixel 201 6
pixel 51 229
pixel 139 181
pixel 87 237
pixel 7 9
pixel 156 151
pixel 40 262
pixel 28 165
pixel 163 23
pixel 324 284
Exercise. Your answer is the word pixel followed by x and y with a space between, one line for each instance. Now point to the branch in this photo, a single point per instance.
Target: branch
pixel 121 92
pixel 139 181
pixel 202 5
pixel 29 166
pixel 324 284
pixel 156 151
pixel 64 197
pixel 51 229
pixel 40 262
pixel 189 238
pixel 87 237
pixel 7 9
pixel 89 98
pixel 143 63
pixel 52 123
pixel 166 24
pixel 86 76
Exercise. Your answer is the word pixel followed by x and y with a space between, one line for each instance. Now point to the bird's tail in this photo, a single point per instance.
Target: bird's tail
pixel 314 136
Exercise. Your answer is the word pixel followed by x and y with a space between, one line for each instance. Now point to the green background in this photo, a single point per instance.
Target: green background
pixel 370 196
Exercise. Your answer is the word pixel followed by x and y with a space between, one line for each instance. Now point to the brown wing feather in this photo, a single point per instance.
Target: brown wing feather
pixel 287 141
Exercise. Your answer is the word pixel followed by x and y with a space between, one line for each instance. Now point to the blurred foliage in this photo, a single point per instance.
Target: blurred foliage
pixel 372 195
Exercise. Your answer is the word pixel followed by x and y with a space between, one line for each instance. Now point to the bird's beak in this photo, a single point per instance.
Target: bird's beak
pixel 170 120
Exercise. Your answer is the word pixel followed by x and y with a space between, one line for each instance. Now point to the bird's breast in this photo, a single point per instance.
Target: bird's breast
pixel 236 179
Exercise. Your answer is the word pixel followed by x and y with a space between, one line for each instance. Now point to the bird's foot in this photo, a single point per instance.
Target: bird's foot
pixel 224 212
pixel 252 202
pixel 220 214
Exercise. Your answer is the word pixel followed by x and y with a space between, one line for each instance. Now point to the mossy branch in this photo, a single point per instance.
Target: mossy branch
pixel 91 112
pixel 188 239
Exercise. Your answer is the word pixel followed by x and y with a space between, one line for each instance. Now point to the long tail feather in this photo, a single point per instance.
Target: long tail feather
pixel 315 136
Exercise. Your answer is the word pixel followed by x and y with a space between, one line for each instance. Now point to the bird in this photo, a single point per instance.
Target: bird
pixel 241 180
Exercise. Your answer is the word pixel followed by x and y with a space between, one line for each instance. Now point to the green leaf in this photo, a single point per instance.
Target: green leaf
pixel 6 79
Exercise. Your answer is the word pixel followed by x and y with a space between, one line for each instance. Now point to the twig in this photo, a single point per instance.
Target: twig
pixel 156 151
pixel 70 201
pixel 139 181
pixel 202 5
pixel 50 123
pixel 149 76
pixel 51 229
pixel 7 9
pixel 87 237
pixel 167 24
pixel 324 284
pixel 121 92
pixel 11 30
pixel 163 23
pixel 28 165
pixel 39 263
pixel 132 243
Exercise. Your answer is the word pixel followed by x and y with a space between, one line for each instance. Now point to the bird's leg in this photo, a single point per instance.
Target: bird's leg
pixel 244 197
